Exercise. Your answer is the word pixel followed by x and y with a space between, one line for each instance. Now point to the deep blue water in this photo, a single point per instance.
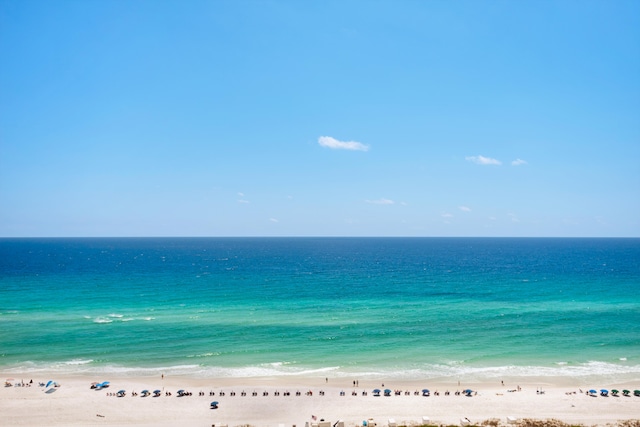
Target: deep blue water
pixel 373 306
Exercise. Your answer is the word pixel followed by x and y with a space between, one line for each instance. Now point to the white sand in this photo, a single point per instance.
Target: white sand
pixel 75 404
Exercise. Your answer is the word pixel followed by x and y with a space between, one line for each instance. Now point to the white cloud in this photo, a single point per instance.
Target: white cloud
pixel 273 220
pixel 518 162
pixel 243 201
pixel 240 194
pixel 447 215
pixel 464 208
pixel 380 202
pixel 481 160
pixel 329 142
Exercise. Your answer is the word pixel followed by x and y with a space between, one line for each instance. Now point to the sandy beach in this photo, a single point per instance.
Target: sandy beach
pixel 277 404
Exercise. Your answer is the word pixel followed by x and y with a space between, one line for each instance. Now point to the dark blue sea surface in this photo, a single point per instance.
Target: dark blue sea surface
pixel 434 307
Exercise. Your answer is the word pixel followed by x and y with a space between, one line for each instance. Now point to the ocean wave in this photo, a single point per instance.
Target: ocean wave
pixel 204 355
pixel 102 320
pixel 594 371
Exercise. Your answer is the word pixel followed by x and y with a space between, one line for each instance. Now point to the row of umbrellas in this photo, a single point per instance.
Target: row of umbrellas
pixel 425 392
pixel 614 392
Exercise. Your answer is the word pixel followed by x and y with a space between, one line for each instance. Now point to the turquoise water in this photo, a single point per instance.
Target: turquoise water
pixel 327 306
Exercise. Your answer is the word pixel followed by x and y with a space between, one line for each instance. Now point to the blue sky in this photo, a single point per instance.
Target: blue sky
pixel 319 118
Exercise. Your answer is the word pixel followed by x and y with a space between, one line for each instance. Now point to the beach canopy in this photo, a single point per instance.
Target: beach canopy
pixel 50 382
pixel 636 392
pixel 614 391
pixel 593 391
pixel 603 391
pixel 425 390
pixel 145 391
pixel 376 390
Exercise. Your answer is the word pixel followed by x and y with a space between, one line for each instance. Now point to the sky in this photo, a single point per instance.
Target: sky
pixel 319 118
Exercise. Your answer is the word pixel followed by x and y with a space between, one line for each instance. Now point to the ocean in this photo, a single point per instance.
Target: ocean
pixel 406 308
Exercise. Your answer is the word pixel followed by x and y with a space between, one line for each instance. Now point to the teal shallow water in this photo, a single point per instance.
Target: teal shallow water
pixel 369 306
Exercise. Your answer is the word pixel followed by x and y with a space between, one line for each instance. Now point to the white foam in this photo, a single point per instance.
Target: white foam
pixel 76 362
pixel 102 320
pixel 593 371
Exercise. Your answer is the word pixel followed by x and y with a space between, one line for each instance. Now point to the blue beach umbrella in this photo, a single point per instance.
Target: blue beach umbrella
pixel 387 392
pixel 603 391
pixel 592 391
pixel 180 392
pixel 157 392
pixel 214 405
pixel 425 392
pixel 49 383
pixel 376 392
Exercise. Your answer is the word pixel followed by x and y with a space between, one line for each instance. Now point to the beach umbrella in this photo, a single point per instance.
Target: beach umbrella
pixel 425 391
pixel 157 392
pixel 625 392
pixel 387 392
pixel 49 383
pixel 122 392
pixel 614 391
pixel 180 392
pixel 376 392
pixel 603 391
pixel 145 392
pixel 593 391
pixel 214 405
pixel 636 392
pixel 468 392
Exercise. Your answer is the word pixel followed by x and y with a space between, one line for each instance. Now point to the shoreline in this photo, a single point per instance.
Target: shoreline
pixel 74 403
